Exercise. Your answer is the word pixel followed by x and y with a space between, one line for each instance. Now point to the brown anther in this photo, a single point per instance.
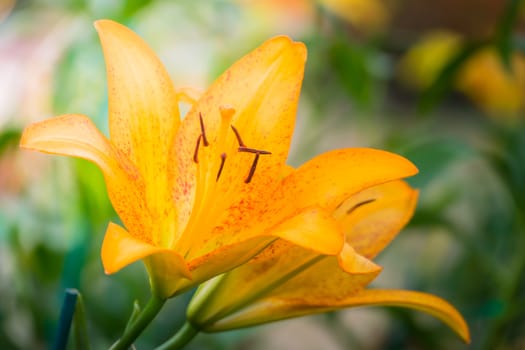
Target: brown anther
pixel 253 150
pixel 241 144
pixel 254 164
pixel 351 210
pixel 196 153
pixel 223 159
pixel 243 148
pixel 203 132
pixel 252 169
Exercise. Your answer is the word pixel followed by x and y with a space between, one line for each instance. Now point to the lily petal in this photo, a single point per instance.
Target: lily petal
pixel 143 110
pixel 77 136
pixel 310 228
pixel 317 288
pixel 313 229
pixel 283 270
pixel 257 96
pixel 329 279
pixel 251 281
pixel 325 181
pixel 374 216
pixel 330 178
pixel 219 261
pixel 427 303
pixel 120 249
pixel 273 309
pixel 188 94
pixel 354 263
pixel 71 135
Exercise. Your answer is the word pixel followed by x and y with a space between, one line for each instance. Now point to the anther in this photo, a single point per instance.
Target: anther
pixel 252 169
pixel 223 159
pixel 196 153
pixel 253 150
pixel 352 209
pixel 203 132
pixel 241 144
pixel 243 148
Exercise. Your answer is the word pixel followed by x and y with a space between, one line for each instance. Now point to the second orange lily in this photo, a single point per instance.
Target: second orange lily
pixel 286 281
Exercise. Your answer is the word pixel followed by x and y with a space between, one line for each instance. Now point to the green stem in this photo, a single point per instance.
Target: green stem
pixel 181 338
pixel 66 316
pixel 134 315
pixel 146 316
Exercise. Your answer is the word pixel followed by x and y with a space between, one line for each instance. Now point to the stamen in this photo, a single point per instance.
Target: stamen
pixel 241 144
pixel 223 159
pixel 203 132
pixel 243 148
pixel 196 153
pixel 253 150
pixel 352 209
pixel 252 169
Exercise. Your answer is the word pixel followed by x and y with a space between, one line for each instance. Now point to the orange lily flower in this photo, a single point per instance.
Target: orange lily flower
pixel 201 196
pixel 287 281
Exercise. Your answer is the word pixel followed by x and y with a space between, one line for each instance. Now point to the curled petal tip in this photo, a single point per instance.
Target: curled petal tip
pixel 356 264
pixel 286 41
pixel 424 302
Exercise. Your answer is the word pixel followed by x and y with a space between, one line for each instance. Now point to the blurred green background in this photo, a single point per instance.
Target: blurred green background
pixel 442 83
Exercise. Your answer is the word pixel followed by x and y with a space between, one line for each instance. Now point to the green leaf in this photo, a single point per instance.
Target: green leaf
pixel 130 7
pixel 505 30
pixel 9 138
pixel 80 333
pixel 433 157
pixel 350 64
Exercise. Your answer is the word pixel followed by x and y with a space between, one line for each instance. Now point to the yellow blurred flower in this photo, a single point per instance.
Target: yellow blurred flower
pixel 288 281
pixel 482 77
pixel 420 66
pixel 202 196
pixel 490 85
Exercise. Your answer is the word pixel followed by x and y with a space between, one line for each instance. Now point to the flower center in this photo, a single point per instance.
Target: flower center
pixel 214 146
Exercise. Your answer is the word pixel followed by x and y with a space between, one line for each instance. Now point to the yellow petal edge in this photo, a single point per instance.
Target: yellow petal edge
pixel 274 309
